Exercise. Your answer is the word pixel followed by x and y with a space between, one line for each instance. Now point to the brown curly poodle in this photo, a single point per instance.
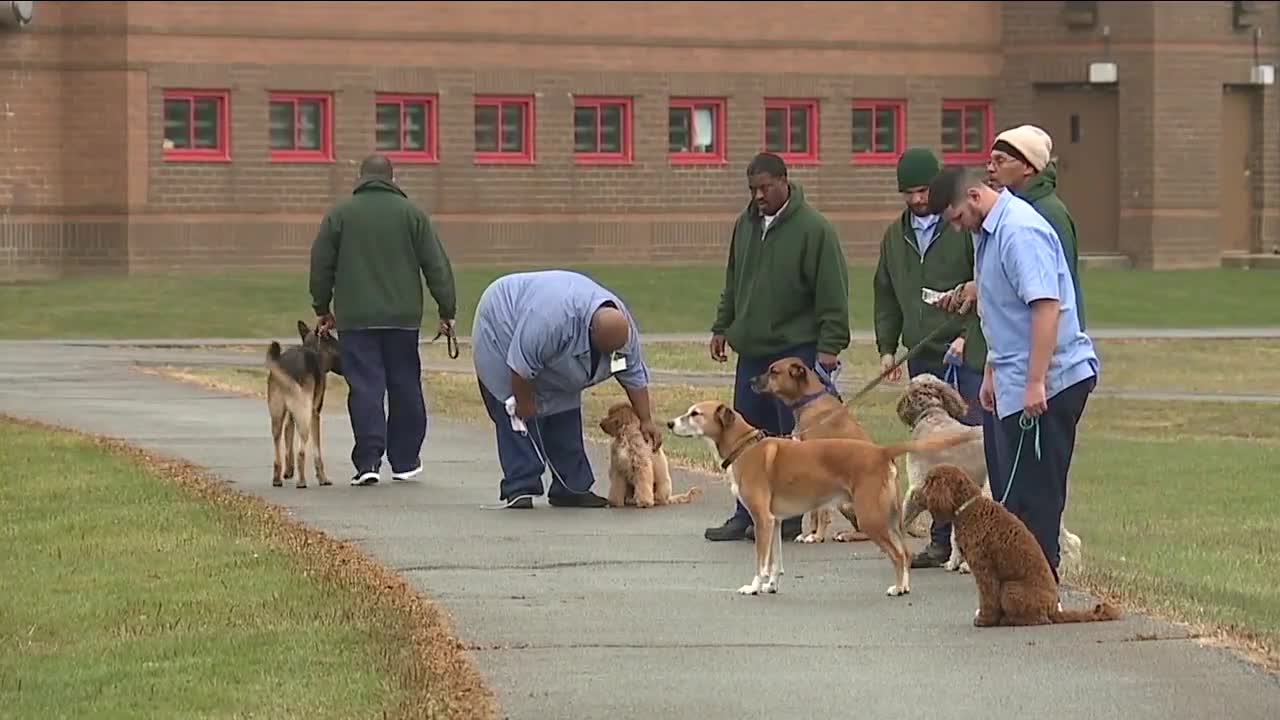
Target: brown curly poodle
pixel 638 475
pixel 1015 585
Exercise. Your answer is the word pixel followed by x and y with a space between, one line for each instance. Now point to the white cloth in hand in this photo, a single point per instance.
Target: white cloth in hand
pixel 517 425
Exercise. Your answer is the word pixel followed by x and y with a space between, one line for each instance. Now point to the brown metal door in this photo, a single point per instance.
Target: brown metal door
pixel 1084 124
pixel 1236 209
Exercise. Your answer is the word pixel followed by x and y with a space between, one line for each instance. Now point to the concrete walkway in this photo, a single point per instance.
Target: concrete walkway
pixel 631 614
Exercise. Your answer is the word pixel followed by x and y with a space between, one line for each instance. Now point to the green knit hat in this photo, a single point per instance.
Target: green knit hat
pixel 916 167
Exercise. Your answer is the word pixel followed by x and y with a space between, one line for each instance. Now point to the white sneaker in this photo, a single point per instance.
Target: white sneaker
pixel 408 475
pixel 369 478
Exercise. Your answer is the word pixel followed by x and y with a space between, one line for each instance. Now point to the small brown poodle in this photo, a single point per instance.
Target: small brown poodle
pixel 1015 584
pixel 638 475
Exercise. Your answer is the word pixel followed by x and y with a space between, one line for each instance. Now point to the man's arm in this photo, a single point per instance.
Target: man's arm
pixel 1044 336
pixel 534 344
pixel 888 312
pixel 969 258
pixel 324 264
pixel 436 268
pixel 830 273
pixel 1031 263
pixel 724 312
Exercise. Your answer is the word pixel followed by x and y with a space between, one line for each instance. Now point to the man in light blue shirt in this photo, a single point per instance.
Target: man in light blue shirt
pixel 539 340
pixel 1041 367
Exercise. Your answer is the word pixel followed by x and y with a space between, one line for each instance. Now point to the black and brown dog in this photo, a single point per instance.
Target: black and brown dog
pixel 297 379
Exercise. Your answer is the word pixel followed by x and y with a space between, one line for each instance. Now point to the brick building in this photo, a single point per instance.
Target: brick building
pixel 148 136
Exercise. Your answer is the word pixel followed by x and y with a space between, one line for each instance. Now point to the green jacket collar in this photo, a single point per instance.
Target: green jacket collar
pixel 794 203
pixel 377 184
pixel 1041 185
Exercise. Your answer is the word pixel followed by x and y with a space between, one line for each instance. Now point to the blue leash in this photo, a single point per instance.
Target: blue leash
pixel 1027 424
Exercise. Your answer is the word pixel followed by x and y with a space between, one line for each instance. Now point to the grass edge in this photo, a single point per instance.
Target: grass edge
pixel 436 653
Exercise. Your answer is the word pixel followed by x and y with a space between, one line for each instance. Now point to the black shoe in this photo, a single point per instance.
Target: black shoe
pixel 522 503
pixel 584 500
pixel 735 528
pixel 931 557
pixel 791 527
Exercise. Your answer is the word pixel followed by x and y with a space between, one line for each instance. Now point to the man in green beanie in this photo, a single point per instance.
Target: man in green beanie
pixel 918 253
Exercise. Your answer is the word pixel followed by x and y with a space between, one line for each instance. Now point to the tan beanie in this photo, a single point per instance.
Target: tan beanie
pixel 1028 143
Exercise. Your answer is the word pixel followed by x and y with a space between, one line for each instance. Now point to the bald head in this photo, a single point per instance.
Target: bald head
pixel 378 166
pixel 609 329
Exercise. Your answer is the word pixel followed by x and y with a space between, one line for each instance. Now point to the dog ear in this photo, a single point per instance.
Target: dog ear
pixel 953 402
pixel 303 330
pixel 609 425
pixel 797 371
pixel 906 407
pixel 724 416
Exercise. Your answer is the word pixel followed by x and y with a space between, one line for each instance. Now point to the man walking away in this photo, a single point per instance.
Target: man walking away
pixel 1022 160
pixel 919 251
pixel 786 293
pixel 368 259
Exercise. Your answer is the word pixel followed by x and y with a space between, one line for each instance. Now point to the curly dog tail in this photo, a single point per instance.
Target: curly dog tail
pixel 1099 612
pixel 685 497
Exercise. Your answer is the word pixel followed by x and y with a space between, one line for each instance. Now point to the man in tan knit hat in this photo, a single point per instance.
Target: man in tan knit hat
pixel 1022 160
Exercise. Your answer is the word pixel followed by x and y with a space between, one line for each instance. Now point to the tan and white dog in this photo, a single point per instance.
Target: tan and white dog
pixel 784 477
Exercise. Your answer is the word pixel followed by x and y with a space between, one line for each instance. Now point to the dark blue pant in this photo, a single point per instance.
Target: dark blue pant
pixel 765 411
pixel 559 438
pixel 380 364
pixel 969 383
pixel 1039 492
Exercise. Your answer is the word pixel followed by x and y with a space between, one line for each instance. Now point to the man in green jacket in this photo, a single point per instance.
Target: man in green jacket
pixel 366 260
pixel 786 294
pixel 1022 160
pixel 919 252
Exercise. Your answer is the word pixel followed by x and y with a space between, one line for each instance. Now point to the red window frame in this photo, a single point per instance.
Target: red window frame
pixel 221 153
pixel 431 109
pixel 719 125
pixel 499 157
pixel 881 157
pixel 810 156
pixel 969 155
pixel 623 156
pixel 325 152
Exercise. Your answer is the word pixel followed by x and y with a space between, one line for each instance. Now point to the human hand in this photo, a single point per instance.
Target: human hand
pixel 445 327
pixel 717 348
pixel 324 323
pixel 828 361
pixel 887 361
pixel 960 299
pixel 957 347
pixel 987 394
pixel 1034 403
pixel 525 407
pixel 651 433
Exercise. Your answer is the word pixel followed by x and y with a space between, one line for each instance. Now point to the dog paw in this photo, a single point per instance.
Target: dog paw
pixel 964 568
pixel 809 538
pixel 752 589
pixel 277 482
pixel 288 473
pixel 846 536
pixel 951 565
pixel 770 587
pixel 896 591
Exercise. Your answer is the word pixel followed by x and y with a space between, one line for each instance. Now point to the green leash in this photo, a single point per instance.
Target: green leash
pixel 1027 424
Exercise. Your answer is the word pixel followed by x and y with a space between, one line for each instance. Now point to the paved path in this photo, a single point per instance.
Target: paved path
pixel 631 614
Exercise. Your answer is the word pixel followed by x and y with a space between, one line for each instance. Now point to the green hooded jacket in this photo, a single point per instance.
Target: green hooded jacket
pixel 900 312
pixel 367 256
pixel 1041 191
pixel 787 287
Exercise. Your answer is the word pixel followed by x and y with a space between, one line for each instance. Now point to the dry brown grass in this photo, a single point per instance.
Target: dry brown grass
pixel 427 662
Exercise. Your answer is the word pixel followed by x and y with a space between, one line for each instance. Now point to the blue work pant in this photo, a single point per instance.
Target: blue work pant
pixel 559 440
pixel 383 365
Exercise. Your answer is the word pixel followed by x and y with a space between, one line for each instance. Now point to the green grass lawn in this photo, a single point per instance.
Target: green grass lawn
pixel 125 595
pixel 667 298
pixel 1175 502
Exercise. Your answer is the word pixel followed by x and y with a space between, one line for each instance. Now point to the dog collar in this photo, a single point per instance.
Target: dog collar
pixel 741 447
pixel 966 505
pixel 807 399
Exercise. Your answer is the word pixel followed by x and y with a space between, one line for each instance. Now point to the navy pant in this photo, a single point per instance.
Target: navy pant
pixel 765 411
pixel 969 382
pixel 559 439
pixel 380 364
pixel 1039 492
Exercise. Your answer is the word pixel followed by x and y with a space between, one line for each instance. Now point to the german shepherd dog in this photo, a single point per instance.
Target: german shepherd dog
pixel 296 383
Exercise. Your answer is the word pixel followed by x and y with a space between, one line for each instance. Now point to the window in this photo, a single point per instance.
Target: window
pixel 696 131
pixel 602 130
pixel 405 127
pixel 195 125
pixel 504 130
pixel 878 130
pixel 301 127
pixel 966 130
pixel 791 129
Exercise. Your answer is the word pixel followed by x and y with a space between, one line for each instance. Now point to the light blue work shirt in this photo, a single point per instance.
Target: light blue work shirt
pixel 926 229
pixel 1018 259
pixel 537 324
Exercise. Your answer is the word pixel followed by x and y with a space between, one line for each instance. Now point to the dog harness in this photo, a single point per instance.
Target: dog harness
pixel 741 447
